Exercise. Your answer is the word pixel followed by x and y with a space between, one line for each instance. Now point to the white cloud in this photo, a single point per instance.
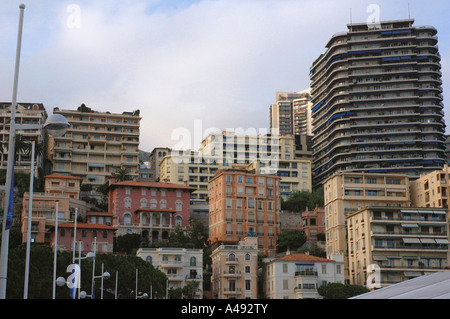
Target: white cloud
pixel 217 61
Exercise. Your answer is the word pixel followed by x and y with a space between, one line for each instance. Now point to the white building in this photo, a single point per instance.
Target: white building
pixel 298 276
pixel 182 266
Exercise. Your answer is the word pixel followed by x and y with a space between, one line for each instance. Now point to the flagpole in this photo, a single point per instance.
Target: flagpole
pixel 10 168
pixel 30 216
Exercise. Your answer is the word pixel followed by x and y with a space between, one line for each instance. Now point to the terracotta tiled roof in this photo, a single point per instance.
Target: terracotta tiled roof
pixel 302 257
pixel 62 176
pixel 152 184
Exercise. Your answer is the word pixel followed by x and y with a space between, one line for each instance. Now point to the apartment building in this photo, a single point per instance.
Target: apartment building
pixel 346 193
pixel 298 276
pixel 302 115
pixel 402 242
pixel 26 114
pixel 63 190
pixel 63 185
pixel 241 203
pixel 91 236
pixel 190 169
pixel 377 101
pixel 182 266
pixel 96 145
pixel 432 189
pixel 287 159
pixel 235 270
pixel 149 208
pixel 291 113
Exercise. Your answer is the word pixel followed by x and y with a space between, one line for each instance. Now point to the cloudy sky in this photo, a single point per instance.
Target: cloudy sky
pixel 192 64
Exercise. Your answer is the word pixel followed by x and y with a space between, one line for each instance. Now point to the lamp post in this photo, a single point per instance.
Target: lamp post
pixel 104 275
pixel 10 167
pixel 55 250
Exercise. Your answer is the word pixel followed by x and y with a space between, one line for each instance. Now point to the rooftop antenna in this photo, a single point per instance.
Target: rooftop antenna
pixel 409 11
pixel 351 18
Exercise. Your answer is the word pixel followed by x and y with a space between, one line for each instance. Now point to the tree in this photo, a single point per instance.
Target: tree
pixel 340 291
pixel 301 200
pixel 126 243
pixel 120 175
pixel 290 239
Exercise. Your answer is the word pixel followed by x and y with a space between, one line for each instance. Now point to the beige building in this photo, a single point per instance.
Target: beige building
pixel 403 243
pixel 182 266
pixel 432 189
pixel 234 270
pixel 346 193
pixel 298 276
pixel 26 114
pixel 96 145
pixel 63 184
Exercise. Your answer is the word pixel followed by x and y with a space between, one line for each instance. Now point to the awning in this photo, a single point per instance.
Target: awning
pixel 442 241
pixel 411 240
pixel 410 225
pixel 427 241
pixel 379 258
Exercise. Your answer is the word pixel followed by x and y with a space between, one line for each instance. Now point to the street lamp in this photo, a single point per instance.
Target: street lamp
pixel 104 275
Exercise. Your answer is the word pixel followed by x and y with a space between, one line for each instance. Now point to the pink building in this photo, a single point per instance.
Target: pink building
pixel 313 223
pixel 149 208
pixel 100 232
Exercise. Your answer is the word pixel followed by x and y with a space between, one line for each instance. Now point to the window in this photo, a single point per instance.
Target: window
pixel 153 203
pixel 285 268
pixel 193 262
pixel 143 203
pixel 248 285
pixel 178 206
pixel 162 204
pixel 285 284
pixel 232 257
pixel 127 202
pixel 324 268
pixel 247 256
pixel 127 190
pixel 105 234
pixel 149 259
pixel 178 193
pixel 127 218
pixel 247 269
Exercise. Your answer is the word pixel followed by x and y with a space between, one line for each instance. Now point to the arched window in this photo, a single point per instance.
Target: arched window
pixel 163 204
pixel 127 202
pixel 247 256
pixel 164 258
pixel 232 257
pixel 178 205
pixel 127 218
pixel 144 203
pixel 153 203
pixel 177 258
pixel 149 259
pixel 193 261
pixel 178 220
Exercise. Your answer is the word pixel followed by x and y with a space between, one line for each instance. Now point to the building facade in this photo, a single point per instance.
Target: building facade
pixel 402 242
pixel 26 114
pixel 235 270
pixel 432 189
pixel 298 276
pixel 149 208
pixel 96 145
pixel 241 203
pixel 377 101
pixel 182 266
pixel 346 193
pixel 302 115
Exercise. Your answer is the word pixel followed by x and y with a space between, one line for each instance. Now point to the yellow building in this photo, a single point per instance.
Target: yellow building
pixel 234 270
pixel 402 243
pixel 346 193
pixel 96 145
pixel 432 189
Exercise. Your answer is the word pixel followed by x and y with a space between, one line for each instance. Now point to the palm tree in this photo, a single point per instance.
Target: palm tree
pixel 120 175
